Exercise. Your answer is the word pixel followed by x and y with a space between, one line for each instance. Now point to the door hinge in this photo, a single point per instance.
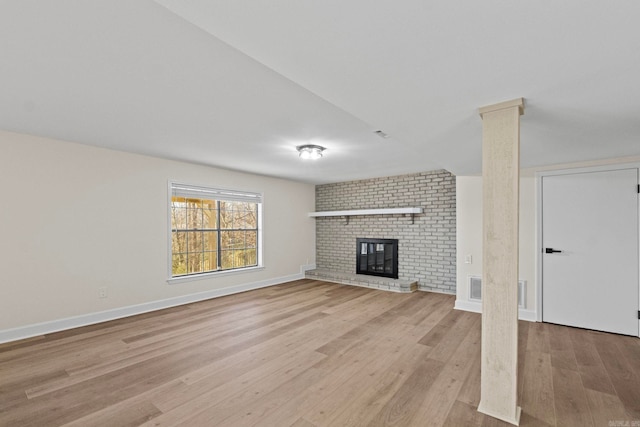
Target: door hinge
pixel 638 188
pixel 638 314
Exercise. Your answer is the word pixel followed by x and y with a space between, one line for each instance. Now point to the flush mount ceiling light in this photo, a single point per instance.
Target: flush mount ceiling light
pixel 310 151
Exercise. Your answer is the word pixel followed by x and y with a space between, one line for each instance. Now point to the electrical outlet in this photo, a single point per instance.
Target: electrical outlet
pixel 102 292
pixel 468 259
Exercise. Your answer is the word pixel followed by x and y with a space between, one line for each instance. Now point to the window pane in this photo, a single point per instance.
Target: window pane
pixel 238 215
pixel 210 261
pixel 236 205
pixel 226 215
pixel 178 218
pixel 194 241
pixel 210 242
pixel 194 218
pixel 179 265
pixel 226 240
pixel 178 213
pixel 252 257
pixel 251 239
pixel 226 259
pixel 209 218
pixel 209 204
pixel 178 242
pixel 241 218
pixel 252 216
pixel 237 239
pixel 194 262
pixel 239 258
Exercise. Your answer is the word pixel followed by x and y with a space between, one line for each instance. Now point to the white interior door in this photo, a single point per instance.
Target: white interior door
pixel 592 219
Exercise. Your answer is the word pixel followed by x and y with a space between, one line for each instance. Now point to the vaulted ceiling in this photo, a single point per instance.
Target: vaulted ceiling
pixel 240 84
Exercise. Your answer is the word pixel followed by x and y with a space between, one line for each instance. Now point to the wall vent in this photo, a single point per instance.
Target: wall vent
pixel 475 290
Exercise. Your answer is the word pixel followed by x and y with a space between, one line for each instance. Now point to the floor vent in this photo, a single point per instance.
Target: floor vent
pixel 475 290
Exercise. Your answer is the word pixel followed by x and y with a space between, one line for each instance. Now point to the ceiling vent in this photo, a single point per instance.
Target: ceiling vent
pixel 381 134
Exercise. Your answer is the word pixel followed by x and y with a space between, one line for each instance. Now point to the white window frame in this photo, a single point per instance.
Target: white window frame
pixel 213 193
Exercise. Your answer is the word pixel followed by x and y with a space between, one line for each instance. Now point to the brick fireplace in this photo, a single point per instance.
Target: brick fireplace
pixel 426 243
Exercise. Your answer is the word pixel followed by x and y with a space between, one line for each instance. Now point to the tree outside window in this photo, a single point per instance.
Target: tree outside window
pixel 209 235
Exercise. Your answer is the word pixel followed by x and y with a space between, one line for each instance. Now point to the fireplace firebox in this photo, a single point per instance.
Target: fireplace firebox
pixel 377 257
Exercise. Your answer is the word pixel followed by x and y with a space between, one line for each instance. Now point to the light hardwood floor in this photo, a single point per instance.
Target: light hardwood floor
pixel 310 353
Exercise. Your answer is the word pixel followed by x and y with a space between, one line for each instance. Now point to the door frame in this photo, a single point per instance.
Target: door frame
pixel 539 225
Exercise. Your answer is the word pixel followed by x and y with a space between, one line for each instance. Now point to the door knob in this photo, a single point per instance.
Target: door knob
pixel 551 250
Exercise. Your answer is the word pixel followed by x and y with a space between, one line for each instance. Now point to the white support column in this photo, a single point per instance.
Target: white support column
pixel 500 194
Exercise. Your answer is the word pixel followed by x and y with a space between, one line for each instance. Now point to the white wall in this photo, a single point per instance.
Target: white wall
pixel 75 218
pixel 469 238
pixel 469 231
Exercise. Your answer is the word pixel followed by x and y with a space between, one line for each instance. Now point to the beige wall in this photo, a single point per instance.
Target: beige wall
pixel 76 218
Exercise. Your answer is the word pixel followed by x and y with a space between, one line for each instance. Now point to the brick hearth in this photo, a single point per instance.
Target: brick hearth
pixel 376 282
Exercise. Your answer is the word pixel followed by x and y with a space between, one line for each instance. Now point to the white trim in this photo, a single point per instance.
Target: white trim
pixel 476 307
pixel 211 193
pixel 528 315
pixel 538 250
pixel 434 290
pixel 603 168
pixel 212 274
pixel 515 421
pixel 385 211
pixel 472 306
pixel 260 242
pixel 29 331
pixel 169 232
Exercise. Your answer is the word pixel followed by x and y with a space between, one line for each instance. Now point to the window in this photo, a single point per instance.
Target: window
pixel 213 229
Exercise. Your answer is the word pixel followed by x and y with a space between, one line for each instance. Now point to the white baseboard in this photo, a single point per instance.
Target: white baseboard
pixel 306 267
pixel 435 291
pixel 528 315
pixel 37 329
pixel 476 307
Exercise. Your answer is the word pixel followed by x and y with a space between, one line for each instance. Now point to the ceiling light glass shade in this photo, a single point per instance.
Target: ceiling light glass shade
pixel 310 151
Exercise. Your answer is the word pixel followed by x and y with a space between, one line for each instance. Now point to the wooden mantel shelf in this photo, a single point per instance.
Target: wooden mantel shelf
pixel 382 211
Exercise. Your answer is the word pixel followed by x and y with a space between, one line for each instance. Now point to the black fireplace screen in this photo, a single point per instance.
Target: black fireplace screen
pixel 377 257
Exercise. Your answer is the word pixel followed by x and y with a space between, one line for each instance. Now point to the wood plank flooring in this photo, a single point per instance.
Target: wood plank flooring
pixel 309 354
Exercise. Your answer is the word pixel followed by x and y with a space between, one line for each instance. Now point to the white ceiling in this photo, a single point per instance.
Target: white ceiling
pixel 240 84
